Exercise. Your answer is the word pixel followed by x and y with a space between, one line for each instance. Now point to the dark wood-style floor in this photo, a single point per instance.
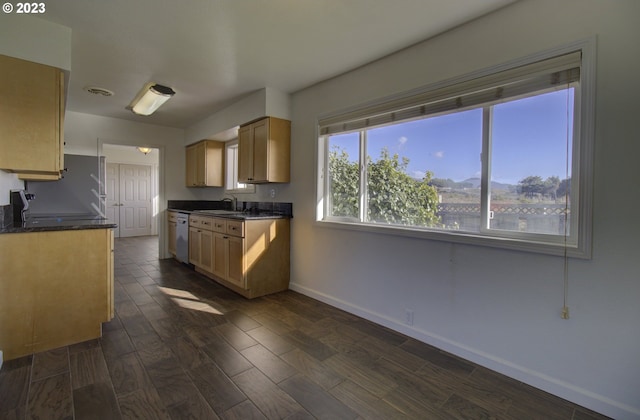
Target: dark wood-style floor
pixel 182 347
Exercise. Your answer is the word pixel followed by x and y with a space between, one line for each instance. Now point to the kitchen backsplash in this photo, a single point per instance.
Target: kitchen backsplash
pixel 6 215
pixel 285 209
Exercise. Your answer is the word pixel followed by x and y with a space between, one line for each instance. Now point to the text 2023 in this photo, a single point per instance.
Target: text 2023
pixel 30 8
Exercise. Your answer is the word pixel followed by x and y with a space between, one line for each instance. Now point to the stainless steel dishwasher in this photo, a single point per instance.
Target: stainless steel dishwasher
pixel 182 238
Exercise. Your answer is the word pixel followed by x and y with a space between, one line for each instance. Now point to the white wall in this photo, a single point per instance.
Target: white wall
pixel 33 39
pixel 498 308
pixel 8 182
pixel 263 102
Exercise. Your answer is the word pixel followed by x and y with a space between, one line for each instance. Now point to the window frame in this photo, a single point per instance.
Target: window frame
pixel 581 168
pixel 231 184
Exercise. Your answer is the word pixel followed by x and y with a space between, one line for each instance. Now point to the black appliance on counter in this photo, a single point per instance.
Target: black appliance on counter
pixel 19 200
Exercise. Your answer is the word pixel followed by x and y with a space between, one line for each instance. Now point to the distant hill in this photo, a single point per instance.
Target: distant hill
pixel 494 185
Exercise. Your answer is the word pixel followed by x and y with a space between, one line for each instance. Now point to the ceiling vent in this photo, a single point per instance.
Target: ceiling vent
pixel 98 91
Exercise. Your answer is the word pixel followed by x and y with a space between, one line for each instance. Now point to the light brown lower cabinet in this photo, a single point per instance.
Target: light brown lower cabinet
pixel 250 257
pixel 56 289
pixel 201 243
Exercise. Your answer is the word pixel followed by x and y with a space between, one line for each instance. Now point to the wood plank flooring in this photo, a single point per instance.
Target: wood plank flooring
pixel 183 347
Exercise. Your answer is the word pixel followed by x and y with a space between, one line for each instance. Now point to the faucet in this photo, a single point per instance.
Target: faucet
pixel 232 200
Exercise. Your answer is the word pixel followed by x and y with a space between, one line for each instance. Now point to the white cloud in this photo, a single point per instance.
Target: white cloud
pixel 439 154
pixel 418 174
pixel 402 141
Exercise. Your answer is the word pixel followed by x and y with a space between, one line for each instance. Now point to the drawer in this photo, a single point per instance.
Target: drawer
pixel 235 228
pixel 206 223
pixel 173 217
pixel 219 225
pixel 201 222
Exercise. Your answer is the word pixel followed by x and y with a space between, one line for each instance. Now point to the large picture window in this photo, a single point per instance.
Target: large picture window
pixel 500 159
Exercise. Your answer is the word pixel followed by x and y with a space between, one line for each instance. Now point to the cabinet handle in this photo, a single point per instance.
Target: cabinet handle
pixel 225 237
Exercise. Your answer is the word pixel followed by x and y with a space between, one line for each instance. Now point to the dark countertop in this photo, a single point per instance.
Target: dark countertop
pixel 59 223
pixel 242 210
pixel 236 215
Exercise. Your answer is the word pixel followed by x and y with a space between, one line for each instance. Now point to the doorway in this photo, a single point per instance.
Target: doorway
pixel 129 198
pixel 120 154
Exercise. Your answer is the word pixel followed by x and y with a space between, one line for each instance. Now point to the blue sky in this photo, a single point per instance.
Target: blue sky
pixel 529 138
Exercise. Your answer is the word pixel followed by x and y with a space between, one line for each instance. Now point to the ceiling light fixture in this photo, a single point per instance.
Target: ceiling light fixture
pixel 150 98
pixel 144 150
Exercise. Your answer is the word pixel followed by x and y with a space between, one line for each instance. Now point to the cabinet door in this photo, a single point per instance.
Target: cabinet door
pixel 260 150
pixel 172 237
pixel 194 246
pixel 191 167
pixel 31 113
pixel 264 149
pixel 235 269
pixel 245 154
pixel 219 255
pixel 206 250
pixel 201 164
pixel 205 164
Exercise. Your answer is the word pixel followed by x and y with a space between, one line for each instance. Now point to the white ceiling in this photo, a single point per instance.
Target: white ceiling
pixel 212 52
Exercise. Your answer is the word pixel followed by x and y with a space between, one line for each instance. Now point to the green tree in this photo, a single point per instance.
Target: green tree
pixel 393 196
pixel 531 186
pixel 564 188
pixel 344 184
pixel 551 185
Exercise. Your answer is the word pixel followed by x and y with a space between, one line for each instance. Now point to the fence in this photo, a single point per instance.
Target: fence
pixel 533 218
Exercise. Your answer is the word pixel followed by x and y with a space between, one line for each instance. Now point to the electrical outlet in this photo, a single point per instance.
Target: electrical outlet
pixel 565 312
pixel 272 193
pixel 408 317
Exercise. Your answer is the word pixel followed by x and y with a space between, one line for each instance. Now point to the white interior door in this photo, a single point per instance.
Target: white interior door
pixel 135 200
pixel 128 201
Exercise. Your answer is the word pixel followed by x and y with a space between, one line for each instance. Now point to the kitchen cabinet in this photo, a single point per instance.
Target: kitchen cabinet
pixel 229 250
pixel 264 149
pixel 172 232
pixel 201 242
pixel 251 257
pixel 31 119
pixel 205 164
pixel 56 289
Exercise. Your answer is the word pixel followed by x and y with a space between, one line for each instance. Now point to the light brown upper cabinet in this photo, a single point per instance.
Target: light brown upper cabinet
pixel 264 149
pixel 205 164
pixel 31 119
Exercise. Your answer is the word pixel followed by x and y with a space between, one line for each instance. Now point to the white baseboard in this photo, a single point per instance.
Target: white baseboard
pixel 562 389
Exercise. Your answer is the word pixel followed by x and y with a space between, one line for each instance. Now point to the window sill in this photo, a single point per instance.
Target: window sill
pixel 461 238
pixel 242 191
